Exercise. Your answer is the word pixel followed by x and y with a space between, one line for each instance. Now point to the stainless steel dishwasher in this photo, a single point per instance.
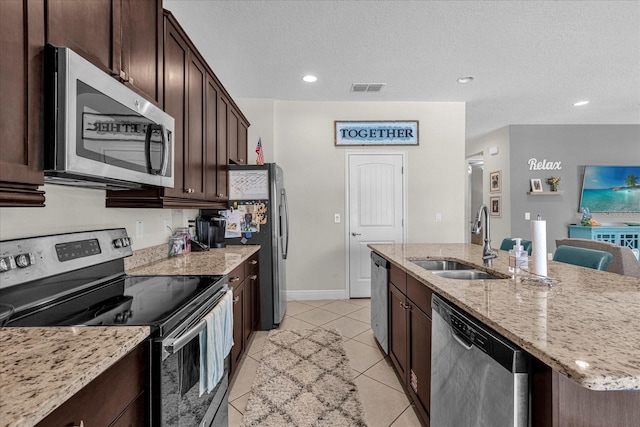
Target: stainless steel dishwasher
pixel 379 297
pixel 478 378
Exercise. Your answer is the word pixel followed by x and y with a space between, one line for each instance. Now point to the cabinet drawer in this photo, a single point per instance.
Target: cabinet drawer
pixel 251 264
pixel 114 390
pixel 237 276
pixel 420 294
pixel 398 277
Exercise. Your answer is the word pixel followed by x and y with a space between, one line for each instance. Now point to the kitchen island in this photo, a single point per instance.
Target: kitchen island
pixel 584 330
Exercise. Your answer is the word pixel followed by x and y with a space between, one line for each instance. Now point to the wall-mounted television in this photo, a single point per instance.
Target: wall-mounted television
pixel 611 189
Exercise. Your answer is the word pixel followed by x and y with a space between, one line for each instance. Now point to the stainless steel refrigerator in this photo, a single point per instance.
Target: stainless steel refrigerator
pixel 258 210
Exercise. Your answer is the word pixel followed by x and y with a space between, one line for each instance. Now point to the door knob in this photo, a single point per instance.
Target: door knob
pixel 356 234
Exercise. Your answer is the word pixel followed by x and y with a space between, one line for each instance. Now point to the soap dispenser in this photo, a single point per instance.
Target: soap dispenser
pixel 518 257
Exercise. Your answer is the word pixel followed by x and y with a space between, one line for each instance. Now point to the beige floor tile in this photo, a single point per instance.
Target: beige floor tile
pixel 292 323
pixel 367 337
pixel 235 417
pixel 341 307
pixel 384 373
pixel 348 327
pixel 297 307
pixel 243 378
pixel 362 356
pixel 317 302
pixel 241 402
pixel 407 419
pixel 317 316
pixel 363 302
pixel 363 315
pixel 382 404
pixel 257 342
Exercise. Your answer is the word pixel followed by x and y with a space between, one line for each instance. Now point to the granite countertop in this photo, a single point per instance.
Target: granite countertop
pixel 214 261
pixel 586 327
pixel 40 368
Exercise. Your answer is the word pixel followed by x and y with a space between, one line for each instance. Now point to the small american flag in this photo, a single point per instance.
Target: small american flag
pixel 260 158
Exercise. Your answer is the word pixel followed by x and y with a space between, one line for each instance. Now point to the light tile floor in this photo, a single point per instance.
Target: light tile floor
pixel 385 403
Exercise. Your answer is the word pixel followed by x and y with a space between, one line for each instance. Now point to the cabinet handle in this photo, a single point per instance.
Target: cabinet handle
pixel 253 262
pixel 241 160
pixel 123 76
pixel 236 299
pixel 234 279
pixel 189 190
pixel 254 277
pixel 79 425
pixel 220 195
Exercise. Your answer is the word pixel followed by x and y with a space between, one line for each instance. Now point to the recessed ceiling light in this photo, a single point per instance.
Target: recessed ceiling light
pixel 309 78
pixel 580 103
pixel 467 79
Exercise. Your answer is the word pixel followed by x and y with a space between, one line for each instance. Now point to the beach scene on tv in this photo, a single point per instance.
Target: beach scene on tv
pixel 611 189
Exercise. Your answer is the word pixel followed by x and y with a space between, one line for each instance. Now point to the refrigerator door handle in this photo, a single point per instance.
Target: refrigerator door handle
pixel 285 244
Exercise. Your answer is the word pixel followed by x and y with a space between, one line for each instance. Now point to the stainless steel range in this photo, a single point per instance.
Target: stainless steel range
pixel 79 279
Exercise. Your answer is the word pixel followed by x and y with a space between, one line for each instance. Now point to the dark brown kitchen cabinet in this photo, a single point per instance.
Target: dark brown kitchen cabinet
pixel 115 398
pixel 202 110
pixel 22 24
pixel 122 37
pixel 398 331
pixel 237 138
pixel 410 336
pixel 246 303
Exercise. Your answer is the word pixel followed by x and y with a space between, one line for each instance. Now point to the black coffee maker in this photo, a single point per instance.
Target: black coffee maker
pixel 210 230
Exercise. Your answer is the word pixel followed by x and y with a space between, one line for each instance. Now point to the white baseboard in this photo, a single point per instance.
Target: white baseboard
pixel 317 295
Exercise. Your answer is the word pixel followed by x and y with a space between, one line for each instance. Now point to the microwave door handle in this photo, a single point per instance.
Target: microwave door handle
pixel 165 150
pixel 147 146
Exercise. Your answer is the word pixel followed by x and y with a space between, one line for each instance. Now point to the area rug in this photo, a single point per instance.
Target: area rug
pixel 304 379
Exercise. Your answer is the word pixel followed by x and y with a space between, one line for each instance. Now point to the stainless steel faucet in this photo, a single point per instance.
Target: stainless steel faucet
pixel 487 253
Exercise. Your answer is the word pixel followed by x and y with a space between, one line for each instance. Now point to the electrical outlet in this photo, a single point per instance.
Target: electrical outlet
pixel 527 216
pixel 336 218
pixel 438 217
pixel 139 229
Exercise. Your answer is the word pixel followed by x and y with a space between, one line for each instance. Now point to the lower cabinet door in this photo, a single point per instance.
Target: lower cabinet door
pixel 238 342
pixel 398 331
pixel 420 359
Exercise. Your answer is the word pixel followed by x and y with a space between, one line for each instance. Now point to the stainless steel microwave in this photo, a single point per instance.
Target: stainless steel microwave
pixel 98 132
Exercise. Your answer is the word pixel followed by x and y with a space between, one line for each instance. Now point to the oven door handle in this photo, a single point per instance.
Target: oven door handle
pixel 172 345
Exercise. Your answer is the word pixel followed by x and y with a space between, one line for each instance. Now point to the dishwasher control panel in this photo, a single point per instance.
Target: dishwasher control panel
pixel 470 332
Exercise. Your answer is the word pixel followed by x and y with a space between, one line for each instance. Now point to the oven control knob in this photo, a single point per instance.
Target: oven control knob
pixel 6 264
pixel 117 243
pixel 24 260
pixel 119 318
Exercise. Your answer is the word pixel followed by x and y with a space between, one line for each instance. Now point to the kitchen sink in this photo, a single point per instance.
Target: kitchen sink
pixel 441 264
pixel 467 274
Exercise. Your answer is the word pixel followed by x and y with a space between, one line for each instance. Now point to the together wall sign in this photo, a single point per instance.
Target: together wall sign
pixel 402 132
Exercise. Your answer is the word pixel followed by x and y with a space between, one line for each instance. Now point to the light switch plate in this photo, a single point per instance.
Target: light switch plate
pixel 438 217
pixel 139 229
pixel 336 218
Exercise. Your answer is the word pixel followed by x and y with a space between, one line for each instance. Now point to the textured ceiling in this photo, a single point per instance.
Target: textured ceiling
pixel 531 60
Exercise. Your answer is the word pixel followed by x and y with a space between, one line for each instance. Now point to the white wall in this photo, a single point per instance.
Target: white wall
pixel 315 178
pixel 500 226
pixel 71 209
pixel 260 113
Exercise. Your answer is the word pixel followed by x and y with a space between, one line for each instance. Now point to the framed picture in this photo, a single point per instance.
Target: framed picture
pixel 495 182
pixel 536 185
pixel 496 205
pixel 381 132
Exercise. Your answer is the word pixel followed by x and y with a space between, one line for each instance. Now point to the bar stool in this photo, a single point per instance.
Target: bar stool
pixel 590 258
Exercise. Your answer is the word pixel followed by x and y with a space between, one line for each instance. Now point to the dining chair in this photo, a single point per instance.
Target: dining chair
pixel 590 258
pixel 508 243
pixel 624 260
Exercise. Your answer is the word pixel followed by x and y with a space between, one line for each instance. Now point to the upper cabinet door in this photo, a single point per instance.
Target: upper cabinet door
pixel 90 28
pixel 22 24
pixel 122 37
pixel 142 50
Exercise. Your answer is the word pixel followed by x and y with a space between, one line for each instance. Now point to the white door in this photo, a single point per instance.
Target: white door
pixel 376 212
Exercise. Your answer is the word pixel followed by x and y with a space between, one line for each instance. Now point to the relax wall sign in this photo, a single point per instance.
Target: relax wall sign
pixel 401 132
pixel 544 165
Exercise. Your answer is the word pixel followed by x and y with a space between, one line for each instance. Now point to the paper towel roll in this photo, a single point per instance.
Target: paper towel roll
pixel 539 247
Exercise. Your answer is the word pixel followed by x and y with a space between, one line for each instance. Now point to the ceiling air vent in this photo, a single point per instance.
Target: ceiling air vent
pixel 367 87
